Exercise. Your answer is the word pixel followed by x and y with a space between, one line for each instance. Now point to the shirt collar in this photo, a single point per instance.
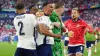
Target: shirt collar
pixel 46 14
pixel 21 14
pixel 76 20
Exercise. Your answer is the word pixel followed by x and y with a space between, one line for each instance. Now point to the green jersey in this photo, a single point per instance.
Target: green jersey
pixel 57 47
pixel 90 37
pixel 55 18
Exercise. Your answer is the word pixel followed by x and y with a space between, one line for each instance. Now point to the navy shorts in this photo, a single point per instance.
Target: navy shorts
pixel 75 49
pixel 89 44
pixel 66 42
pixel 25 52
pixel 44 50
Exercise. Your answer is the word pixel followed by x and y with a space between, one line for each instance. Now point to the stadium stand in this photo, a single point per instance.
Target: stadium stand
pixel 89 14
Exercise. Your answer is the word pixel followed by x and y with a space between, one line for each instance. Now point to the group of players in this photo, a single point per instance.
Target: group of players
pixel 40 33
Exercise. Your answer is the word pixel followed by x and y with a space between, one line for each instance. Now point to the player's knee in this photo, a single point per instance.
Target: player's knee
pixel 79 54
pixel 71 54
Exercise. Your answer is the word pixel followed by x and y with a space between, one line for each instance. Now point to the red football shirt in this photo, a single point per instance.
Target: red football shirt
pixel 78 28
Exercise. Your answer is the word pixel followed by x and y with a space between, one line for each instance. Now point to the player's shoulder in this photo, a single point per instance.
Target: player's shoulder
pixel 83 21
pixel 69 20
pixel 44 17
pixel 30 15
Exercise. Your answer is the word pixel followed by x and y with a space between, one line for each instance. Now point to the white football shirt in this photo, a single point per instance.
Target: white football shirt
pixel 24 25
pixel 40 39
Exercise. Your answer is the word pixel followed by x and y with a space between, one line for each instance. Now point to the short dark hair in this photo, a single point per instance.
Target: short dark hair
pixel 46 3
pixel 33 6
pixel 58 5
pixel 20 6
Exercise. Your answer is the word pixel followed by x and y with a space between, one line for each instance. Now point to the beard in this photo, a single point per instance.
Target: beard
pixel 74 18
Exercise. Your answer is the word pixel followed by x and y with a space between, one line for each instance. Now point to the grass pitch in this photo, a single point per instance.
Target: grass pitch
pixel 7 49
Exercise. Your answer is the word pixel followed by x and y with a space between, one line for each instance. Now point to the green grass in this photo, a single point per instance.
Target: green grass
pixel 7 49
pixel 93 54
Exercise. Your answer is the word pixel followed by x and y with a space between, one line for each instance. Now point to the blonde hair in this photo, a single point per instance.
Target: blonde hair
pixel 39 14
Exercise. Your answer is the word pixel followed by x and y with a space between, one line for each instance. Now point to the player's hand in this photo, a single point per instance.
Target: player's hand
pixel 70 34
pixel 57 24
pixel 87 29
pixel 64 35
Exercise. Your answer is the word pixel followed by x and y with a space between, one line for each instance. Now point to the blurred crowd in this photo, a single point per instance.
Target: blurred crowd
pixel 92 17
pixel 6 28
pixel 77 3
pixel 68 3
pixel 8 3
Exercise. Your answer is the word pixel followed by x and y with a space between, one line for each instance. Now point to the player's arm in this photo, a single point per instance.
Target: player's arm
pixel 44 30
pixel 88 28
pixel 63 27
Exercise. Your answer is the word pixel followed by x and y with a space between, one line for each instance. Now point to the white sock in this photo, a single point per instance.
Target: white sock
pixel 65 52
pixel 95 49
pixel 89 52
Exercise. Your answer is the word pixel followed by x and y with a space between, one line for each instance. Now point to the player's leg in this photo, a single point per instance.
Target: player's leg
pixel 44 50
pixel 79 50
pixel 92 44
pixel 12 40
pixel 71 51
pixel 57 49
pixel 65 47
pixel 88 46
pixel 50 53
pixel 9 39
pixel 19 52
pixel 28 52
pixel 95 49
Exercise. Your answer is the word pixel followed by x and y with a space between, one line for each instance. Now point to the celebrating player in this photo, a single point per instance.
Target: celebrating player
pixel 76 28
pixel 56 17
pixel 45 36
pixel 24 25
pixel 33 9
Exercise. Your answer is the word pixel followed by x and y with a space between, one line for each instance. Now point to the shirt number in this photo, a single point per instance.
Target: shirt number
pixel 20 24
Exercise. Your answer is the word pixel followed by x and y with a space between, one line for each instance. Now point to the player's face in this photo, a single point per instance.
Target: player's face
pixel 61 10
pixel 49 9
pixel 34 10
pixel 75 14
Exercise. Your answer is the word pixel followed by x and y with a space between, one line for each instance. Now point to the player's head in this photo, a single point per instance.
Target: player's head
pixel 33 9
pixel 39 13
pixel 20 8
pixel 47 8
pixel 59 7
pixel 75 13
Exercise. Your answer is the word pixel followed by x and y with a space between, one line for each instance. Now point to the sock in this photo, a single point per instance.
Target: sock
pixel 89 52
pixel 95 50
pixel 65 52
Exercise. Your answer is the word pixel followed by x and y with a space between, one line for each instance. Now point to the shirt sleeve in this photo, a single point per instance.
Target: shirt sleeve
pixel 87 26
